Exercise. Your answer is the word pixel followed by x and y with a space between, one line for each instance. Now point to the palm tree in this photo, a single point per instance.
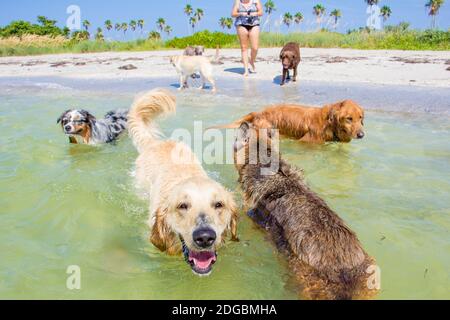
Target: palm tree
pixel 133 25
pixel 168 30
pixel 298 18
pixel 86 25
pixel 336 14
pixel 226 23
pixel 140 24
pixel 188 10
pixel 117 27
pixel 99 35
pixel 319 11
pixel 108 25
pixel 385 13
pixel 124 28
pixel 193 22
pixel 199 14
pixel 287 19
pixel 434 6
pixel 154 35
pixel 229 23
pixel 223 22
pixel 161 23
pixel 269 7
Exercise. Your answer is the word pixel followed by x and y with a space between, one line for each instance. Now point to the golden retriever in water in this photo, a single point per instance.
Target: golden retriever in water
pixel 339 122
pixel 189 212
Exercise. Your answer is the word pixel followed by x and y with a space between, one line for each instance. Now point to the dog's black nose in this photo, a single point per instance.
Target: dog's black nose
pixel 360 135
pixel 67 128
pixel 204 238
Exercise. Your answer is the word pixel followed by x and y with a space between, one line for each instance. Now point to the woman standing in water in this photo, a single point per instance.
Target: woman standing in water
pixel 247 14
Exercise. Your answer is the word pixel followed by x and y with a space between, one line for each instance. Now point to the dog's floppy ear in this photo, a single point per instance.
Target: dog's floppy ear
pixel 62 116
pixel 232 227
pixel 89 117
pixel 334 112
pixel 244 130
pixel 162 236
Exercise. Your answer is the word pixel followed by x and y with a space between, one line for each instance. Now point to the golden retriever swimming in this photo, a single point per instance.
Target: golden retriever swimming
pixel 339 122
pixel 189 212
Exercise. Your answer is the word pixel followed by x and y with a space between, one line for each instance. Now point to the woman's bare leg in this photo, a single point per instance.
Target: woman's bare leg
pixel 254 43
pixel 244 39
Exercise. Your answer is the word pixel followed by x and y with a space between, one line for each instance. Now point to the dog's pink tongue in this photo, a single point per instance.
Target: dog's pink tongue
pixel 202 259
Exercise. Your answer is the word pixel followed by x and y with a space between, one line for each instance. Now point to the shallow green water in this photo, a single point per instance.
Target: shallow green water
pixel 64 205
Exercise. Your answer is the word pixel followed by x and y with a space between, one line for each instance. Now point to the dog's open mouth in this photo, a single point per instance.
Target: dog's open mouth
pixel 201 261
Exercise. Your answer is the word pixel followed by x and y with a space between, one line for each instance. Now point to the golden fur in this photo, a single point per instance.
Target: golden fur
pixel 180 192
pixel 342 121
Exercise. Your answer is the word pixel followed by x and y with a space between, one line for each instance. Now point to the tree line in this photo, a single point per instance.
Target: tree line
pixel 46 26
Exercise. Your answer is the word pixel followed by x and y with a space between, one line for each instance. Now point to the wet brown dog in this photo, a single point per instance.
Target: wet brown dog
pixel 325 256
pixel 339 122
pixel 290 59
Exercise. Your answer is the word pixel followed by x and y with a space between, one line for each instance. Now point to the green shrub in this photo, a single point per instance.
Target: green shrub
pixel 45 27
pixel 204 38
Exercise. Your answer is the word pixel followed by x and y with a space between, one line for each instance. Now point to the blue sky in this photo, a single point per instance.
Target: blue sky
pixel 98 11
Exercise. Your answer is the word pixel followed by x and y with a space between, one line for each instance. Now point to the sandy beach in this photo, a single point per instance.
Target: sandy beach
pixel 417 68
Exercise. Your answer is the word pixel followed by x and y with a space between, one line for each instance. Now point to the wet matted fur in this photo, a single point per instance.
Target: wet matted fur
pixel 189 212
pixel 339 122
pixel 325 256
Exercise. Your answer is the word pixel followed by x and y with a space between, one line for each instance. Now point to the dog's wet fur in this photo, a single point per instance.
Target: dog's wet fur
pixel 290 59
pixel 338 122
pixel 81 126
pixel 189 212
pixel 326 258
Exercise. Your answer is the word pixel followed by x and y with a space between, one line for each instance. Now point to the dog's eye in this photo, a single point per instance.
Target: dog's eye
pixel 218 205
pixel 183 206
pixel 350 119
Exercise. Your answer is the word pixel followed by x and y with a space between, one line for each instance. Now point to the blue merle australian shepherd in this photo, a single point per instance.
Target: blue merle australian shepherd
pixel 83 127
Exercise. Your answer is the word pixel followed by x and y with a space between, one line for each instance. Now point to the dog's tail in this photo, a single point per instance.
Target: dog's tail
pixel 236 124
pixel 144 110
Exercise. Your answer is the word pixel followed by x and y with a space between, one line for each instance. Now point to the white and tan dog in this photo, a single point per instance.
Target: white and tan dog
pixel 189 65
pixel 189 212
